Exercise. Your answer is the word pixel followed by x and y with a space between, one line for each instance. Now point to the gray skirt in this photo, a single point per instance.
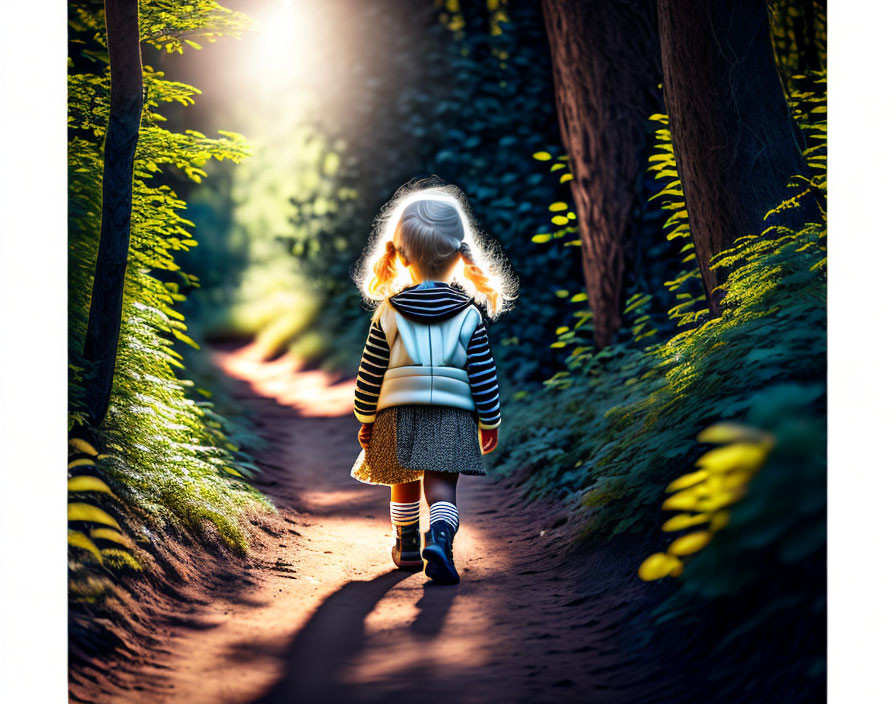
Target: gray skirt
pixel 410 440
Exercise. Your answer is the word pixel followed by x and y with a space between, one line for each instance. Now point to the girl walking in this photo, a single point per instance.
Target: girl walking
pixel 427 388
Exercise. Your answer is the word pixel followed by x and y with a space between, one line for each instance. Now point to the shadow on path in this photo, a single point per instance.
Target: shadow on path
pixel 433 607
pixel 332 637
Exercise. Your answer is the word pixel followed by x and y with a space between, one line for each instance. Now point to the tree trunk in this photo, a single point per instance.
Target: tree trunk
pixel 606 65
pixel 104 323
pixel 733 137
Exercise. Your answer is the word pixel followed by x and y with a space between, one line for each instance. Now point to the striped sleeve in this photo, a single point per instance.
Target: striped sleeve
pixel 483 375
pixel 374 362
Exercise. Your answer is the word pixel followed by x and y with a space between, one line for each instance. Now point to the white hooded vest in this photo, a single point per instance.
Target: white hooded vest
pixel 429 347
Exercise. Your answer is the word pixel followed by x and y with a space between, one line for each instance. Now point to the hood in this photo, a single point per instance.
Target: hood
pixel 430 302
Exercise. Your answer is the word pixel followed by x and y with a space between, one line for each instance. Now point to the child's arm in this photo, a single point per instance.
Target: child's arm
pixel 374 363
pixel 484 384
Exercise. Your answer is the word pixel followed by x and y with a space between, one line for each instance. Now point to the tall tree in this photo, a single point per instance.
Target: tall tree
pixel 606 64
pixel 732 133
pixel 126 105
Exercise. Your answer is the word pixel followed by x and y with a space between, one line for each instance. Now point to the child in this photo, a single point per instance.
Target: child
pixel 427 378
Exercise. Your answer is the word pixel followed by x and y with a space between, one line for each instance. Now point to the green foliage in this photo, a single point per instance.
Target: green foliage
pixel 612 425
pixel 687 285
pixel 809 107
pixel 799 38
pixel 624 421
pixel 168 459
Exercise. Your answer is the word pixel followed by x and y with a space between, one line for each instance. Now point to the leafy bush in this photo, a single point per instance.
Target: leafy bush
pixel 167 459
pixel 623 425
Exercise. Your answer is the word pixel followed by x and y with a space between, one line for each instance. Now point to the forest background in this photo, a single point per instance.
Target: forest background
pixel 271 272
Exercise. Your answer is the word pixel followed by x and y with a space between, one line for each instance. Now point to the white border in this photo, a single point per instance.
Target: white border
pixel 862 270
pixel 33 365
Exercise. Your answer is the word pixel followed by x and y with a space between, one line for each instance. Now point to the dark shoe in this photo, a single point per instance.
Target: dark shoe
pixel 438 555
pixel 406 551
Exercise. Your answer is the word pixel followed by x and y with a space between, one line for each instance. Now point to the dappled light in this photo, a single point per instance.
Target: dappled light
pixel 311 392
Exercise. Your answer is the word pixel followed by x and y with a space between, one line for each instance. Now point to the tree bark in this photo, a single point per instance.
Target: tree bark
pixel 104 322
pixel 606 65
pixel 734 140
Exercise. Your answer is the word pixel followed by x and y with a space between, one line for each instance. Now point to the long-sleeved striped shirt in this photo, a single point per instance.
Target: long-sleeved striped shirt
pixel 374 362
pixel 483 379
pixel 430 304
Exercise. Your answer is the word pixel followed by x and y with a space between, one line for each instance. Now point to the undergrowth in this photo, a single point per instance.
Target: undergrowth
pixel 624 425
pixel 167 462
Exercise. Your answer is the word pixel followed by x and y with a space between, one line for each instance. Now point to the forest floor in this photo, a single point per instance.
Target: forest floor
pixel 320 614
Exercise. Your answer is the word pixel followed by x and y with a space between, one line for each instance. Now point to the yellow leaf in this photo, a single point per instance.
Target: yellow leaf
pixel 541 156
pixel 88 484
pixel 722 433
pixel 111 535
pixel 688 480
pixel 184 338
pixel 82 446
pixel 682 501
pixel 561 330
pixel 738 455
pixel 83 462
pixel 560 220
pixel 94 514
pixel 79 540
pixel 719 521
pixel 690 543
pixel 735 480
pixel 685 520
pixel 719 501
pixel 659 565
pixel 578 298
pixel 565 177
pixel 556 207
pixel 541 238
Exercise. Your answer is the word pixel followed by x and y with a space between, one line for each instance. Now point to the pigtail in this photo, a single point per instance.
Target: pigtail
pixel 479 278
pixel 384 271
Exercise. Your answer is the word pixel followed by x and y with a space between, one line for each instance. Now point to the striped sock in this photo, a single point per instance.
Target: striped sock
pixel 444 511
pixel 404 514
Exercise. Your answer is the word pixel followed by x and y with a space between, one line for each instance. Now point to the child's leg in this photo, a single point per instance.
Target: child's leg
pixel 406 493
pixel 441 495
pixel 440 486
pixel 404 509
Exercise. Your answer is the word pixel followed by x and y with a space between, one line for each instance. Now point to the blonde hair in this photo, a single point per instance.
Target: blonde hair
pixel 426 225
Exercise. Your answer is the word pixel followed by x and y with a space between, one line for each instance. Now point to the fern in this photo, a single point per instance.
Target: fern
pixel 165 460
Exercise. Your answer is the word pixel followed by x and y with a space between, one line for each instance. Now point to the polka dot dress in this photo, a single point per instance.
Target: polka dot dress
pixel 408 440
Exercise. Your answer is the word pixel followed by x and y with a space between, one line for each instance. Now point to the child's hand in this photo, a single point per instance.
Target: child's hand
pixel 364 434
pixel 488 439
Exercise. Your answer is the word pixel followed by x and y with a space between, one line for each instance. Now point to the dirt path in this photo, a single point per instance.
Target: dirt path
pixel 325 617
